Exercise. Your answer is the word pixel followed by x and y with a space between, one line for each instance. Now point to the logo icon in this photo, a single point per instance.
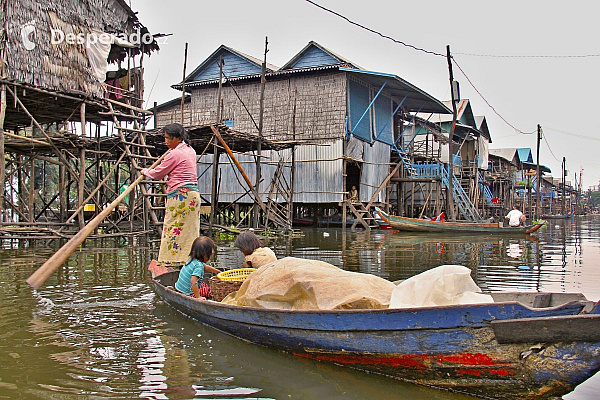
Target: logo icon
pixel 28 35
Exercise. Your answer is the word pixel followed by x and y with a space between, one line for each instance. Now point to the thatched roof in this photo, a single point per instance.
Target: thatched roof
pixel 33 58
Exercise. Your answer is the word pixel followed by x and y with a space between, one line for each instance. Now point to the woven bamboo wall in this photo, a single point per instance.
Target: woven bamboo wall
pixel 171 114
pixel 63 67
pixel 320 107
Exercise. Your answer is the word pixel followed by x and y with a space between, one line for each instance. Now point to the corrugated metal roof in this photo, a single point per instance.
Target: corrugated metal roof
pixel 525 155
pixel 506 153
pixel 189 85
pixel 416 99
pixel 543 168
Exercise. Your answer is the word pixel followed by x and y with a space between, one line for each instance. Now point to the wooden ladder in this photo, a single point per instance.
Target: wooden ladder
pixel 280 187
pixel 137 150
pixel 362 215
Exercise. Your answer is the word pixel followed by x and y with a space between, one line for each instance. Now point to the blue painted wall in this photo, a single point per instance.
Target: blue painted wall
pixel 234 66
pixel 383 113
pixel 360 98
pixel 314 57
pixel 359 101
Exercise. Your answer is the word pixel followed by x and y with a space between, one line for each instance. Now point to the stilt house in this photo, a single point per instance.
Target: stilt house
pixel 341 122
pixel 54 71
pixel 470 143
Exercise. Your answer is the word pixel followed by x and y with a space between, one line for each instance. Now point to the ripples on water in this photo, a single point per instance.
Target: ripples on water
pixel 95 329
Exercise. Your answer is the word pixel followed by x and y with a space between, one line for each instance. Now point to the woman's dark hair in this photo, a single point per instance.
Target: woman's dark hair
pixel 177 131
pixel 248 241
pixel 202 248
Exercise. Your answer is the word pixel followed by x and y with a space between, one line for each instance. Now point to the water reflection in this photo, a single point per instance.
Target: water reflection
pixel 96 329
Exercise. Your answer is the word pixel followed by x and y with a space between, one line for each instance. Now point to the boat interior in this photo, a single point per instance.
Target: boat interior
pixel 528 299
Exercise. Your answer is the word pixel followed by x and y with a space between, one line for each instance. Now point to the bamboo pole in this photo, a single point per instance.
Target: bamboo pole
pixel 40 276
pixel 2 160
pixel 183 84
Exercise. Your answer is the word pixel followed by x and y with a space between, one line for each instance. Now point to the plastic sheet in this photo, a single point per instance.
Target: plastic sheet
pixel 440 286
pixel 299 284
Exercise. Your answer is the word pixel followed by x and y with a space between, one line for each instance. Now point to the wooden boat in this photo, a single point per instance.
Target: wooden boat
pixel 524 345
pixel 381 223
pixel 303 221
pixel 559 216
pixel 422 225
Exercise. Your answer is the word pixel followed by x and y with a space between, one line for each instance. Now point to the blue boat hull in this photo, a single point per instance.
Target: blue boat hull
pixel 452 347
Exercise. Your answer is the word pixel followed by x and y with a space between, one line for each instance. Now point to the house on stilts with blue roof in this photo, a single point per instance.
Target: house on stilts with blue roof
pixel 323 126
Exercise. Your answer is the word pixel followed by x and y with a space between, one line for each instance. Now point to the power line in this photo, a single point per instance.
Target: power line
pixel 424 51
pixel 529 56
pixel 548 145
pixel 487 102
pixel 574 134
pixel 374 31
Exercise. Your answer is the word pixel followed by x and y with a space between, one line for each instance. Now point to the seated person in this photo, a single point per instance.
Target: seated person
pixel 191 274
pixel 255 253
pixel 353 195
pixel 515 217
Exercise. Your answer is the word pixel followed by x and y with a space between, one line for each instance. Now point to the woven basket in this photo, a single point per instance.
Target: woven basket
pixel 228 281
pixel 220 288
pixel 239 274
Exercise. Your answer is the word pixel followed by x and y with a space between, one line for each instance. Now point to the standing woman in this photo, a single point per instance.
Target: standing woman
pixel 182 213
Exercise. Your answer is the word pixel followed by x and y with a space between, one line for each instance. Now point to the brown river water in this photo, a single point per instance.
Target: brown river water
pixel 96 330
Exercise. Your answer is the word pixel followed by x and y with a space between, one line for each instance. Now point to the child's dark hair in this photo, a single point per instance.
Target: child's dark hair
pixel 202 248
pixel 248 241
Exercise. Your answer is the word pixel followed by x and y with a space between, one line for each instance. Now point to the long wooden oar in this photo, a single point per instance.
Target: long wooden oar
pixel 40 276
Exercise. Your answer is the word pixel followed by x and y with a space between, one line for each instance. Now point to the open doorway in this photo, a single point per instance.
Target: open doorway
pixel 353 170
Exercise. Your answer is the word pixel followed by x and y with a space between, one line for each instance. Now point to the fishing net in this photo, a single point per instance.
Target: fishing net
pixel 299 284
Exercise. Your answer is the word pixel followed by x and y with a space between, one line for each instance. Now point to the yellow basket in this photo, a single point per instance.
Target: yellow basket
pixel 235 274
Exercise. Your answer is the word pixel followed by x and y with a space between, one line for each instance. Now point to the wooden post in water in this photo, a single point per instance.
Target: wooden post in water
pixel 40 276
pixel 215 165
pixel 260 130
pixel 564 199
pixel 2 160
pixel 538 208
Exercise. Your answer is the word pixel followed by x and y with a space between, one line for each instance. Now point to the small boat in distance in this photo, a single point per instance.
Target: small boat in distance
pixel 382 224
pixel 523 345
pixel 559 216
pixel 422 225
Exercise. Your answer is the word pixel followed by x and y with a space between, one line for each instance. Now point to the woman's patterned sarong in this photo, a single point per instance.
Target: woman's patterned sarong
pixel 180 228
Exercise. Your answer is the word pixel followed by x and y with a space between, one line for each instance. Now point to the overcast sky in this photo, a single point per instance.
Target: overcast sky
pixel 557 92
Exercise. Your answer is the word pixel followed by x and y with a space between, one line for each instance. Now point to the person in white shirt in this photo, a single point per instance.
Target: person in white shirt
pixel 515 217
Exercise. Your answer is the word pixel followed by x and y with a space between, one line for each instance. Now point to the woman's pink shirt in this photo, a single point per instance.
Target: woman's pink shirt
pixel 180 166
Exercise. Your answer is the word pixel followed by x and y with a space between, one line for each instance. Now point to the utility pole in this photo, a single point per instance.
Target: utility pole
pixel 564 172
pixel 450 196
pixel 579 192
pixel 539 177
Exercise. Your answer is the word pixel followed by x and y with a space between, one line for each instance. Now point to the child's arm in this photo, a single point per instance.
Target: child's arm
pixel 208 268
pixel 194 283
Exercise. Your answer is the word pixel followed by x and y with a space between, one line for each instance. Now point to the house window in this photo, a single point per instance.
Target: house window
pixel 228 122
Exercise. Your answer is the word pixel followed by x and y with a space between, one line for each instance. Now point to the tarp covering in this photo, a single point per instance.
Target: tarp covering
pixel 298 284
pixel 440 286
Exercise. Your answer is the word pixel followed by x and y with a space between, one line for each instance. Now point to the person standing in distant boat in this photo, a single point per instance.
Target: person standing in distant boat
pixel 182 213
pixel 515 217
